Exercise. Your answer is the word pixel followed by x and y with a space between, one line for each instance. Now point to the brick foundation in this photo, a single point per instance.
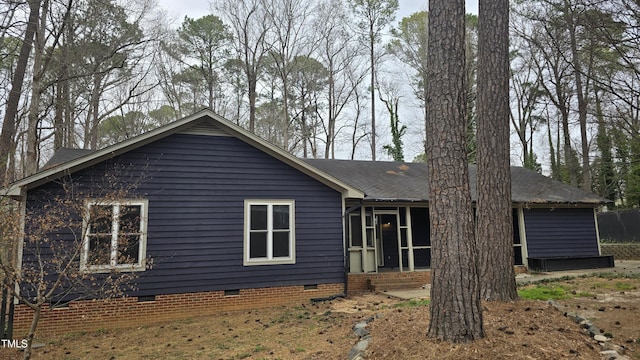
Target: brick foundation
pixel 360 282
pixel 622 251
pixel 87 315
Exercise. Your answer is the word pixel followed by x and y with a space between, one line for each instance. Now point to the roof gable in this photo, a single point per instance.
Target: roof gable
pixel 203 122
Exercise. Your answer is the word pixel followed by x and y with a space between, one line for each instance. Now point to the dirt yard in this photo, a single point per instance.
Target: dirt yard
pixel 526 329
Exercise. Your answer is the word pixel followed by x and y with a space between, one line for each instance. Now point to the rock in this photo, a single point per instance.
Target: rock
pixel 357 352
pixel 360 325
pixel 362 344
pixel 354 354
pixel 608 353
pixel 593 331
pixel 361 332
pixel 600 338
pixel 585 324
pixel 611 346
pixel 612 355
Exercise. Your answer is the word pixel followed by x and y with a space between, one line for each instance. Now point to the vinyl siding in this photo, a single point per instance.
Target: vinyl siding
pixel 196 186
pixel 560 232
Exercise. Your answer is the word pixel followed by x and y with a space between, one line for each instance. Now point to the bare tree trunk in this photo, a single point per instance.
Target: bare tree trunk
pixel 580 94
pixel 9 125
pixel 37 311
pixel 456 312
pixel 247 20
pixel 552 155
pixel 373 95
pixel 33 119
pixel 494 222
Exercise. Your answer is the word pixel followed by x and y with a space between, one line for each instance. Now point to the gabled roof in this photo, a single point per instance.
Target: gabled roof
pixel 407 182
pixel 203 122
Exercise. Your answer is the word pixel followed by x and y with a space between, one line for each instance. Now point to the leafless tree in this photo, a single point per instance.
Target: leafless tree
pixel 40 263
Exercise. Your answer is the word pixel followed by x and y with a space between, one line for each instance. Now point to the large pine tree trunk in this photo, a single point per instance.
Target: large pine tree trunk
pixel 494 223
pixel 456 313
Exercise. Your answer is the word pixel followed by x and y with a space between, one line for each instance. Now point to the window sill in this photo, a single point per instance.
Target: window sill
pixel 109 269
pixel 269 262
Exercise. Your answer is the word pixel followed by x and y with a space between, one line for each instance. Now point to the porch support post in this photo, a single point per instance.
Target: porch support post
pixel 595 221
pixel 523 237
pixel 409 238
pixel 364 253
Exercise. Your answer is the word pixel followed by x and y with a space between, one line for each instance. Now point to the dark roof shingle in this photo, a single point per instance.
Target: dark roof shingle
pixel 64 155
pixel 398 181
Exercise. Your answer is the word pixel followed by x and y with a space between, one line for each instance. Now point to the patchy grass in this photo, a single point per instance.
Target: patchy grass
pixel 550 292
pixel 413 303
pixel 616 275
pixel 544 292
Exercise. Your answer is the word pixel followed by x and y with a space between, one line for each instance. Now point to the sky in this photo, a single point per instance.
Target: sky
pixel 178 9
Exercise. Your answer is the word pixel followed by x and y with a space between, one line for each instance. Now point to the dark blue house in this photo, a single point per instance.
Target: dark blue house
pixel 231 221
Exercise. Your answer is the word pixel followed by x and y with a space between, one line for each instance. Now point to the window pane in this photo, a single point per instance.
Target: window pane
pixel 258 217
pixel 370 237
pixel 422 258
pixel 421 235
pixel 281 244
pixel 403 216
pixel 517 252
pixel 356 230
pixel 516 228
pixel 281 216
pixel 130 218
pixel 100 219
pixel 128 249
pixel 258 245
pixel 403 238
pixel 99 250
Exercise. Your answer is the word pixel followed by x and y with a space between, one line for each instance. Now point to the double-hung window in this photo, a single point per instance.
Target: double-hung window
pixel 269 232
pixel 115 236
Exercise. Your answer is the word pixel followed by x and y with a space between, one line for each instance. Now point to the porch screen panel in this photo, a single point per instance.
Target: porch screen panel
pixel 421 237
pixel 517 243
pixel 356 230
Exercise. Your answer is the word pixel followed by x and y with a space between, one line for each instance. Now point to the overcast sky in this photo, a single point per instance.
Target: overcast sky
pixel 178 9
pixel 410 112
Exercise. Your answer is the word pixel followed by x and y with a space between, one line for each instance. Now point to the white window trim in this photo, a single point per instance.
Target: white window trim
pixel 269 260
pixel 142 249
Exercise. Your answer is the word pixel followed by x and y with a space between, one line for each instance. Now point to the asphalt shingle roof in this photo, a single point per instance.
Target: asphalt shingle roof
pixel 64 155
pixel 398 181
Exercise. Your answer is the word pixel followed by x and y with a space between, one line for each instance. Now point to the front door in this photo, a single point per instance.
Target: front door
pixel 387 241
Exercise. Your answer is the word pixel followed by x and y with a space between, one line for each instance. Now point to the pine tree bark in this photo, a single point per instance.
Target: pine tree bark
pixel 456 313
pixel 494 219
